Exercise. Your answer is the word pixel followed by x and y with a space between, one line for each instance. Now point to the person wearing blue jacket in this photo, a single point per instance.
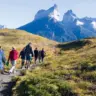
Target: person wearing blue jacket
pixel 2 60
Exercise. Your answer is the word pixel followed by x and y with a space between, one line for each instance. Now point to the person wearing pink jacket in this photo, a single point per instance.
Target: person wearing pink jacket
pixel 13 56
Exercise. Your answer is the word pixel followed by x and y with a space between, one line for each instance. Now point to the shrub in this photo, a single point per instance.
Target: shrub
pixel 23 72
pixel 66 90
pixel 89 76
pixel 84 85
pixel 85 66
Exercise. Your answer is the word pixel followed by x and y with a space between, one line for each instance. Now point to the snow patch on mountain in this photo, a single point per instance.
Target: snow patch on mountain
pixel 79 23
pixel 51 12
pixel 94 24
pixel 55 15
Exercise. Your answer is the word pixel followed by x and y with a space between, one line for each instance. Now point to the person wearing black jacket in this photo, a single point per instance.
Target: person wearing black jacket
pixel 28 52
pixel 42 54
pixel 36 53
pixel 22 55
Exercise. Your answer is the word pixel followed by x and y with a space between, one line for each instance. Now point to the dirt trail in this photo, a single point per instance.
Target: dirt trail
pixel 6 83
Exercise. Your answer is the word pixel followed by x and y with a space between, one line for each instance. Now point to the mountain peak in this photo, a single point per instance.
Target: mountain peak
pixel 2 26
pixel 51 12
pixel 69 16
pixel 70 12
pixel 54 7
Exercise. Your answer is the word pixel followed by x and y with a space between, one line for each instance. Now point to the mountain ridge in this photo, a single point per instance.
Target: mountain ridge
pixel 47 24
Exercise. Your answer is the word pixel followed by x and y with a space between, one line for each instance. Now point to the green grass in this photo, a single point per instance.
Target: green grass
pixel 68 70
pixel 19 39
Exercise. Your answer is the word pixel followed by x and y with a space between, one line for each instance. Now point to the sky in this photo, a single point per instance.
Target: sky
pixel 15 13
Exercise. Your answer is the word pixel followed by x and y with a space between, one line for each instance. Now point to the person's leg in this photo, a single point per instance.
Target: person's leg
pixel 22 64
pixel 39 60
pixel 31 60
pixel 13 66
pixel 42 59
pixel 35 59
pixel 26 66
pixel 2 69
pixel 28 63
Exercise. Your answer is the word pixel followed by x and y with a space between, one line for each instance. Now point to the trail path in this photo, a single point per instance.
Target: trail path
pixel 6 84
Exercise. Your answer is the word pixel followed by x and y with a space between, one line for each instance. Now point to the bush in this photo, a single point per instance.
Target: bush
pixel 66 90
pixel 43 86
pixel 84 85
pixel 89 76
pixel 85 66
pixel 22 72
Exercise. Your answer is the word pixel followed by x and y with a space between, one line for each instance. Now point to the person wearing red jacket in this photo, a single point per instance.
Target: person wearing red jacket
pixel 13 56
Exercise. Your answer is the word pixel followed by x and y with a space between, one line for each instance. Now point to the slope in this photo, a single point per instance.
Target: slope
pixel 70 72
pixel 20 39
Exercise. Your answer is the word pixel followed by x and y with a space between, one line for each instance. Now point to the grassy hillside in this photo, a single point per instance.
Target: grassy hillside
pixel 70 72
pixel 69 69
pixel 20 39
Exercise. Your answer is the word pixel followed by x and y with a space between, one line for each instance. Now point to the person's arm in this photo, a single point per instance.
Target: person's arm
pixel 20 55
pixel 34 53
pixel 44 53
pixel 31 51
pixel 17 54
pixel 9 56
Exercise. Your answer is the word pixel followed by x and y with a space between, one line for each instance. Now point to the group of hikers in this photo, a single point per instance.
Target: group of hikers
pixel 26 56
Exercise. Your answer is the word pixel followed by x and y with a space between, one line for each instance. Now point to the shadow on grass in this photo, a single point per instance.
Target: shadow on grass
pixel 8 89
pixel 74 45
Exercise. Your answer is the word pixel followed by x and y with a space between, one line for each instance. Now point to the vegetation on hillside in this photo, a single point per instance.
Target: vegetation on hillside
pixel 69 69
pixel 19 39
pixel 70 72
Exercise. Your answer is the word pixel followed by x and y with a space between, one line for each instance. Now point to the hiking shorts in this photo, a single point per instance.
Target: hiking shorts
pixel 27 58
pixel 13 62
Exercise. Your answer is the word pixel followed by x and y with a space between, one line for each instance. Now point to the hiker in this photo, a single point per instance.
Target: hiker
pixel 42 54
pixel 28 54
pixel 13 56
pixel 22 55
pixel 36 55
pixel 2 61
pixel 39 56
